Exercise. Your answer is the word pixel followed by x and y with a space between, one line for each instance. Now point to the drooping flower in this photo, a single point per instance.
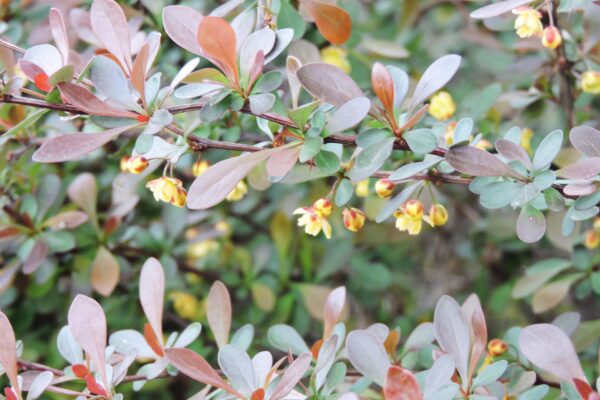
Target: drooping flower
pixel 551 38
pixel 169 190
pixel 528 22
pixel 336 56
pixel 137 164
pixel 442 106
pixel 314 219
pixel 354 219
pixel 438 214
pixel 410 217
pixel 199 167
pixel 590 82
pixel 384 188
pixel 238 192
pixel 362 188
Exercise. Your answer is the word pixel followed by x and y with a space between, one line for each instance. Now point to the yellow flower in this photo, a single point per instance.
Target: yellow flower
pixel 551 37
pixel 410 217
pixel 528 22
pixel 354 219
pixel 484 144
pixel 314 219
pixel 137 164
pixel 442 106
pixel 438 215
pixel 238 192
pixel 362 188
pixel 384 188
pixel 526 135
pixel 124 164
pixel 592 239
pixel 185 305
pixel 597 224
pixel 449 135
pixel 590 82
pixel 169 190
pixel 199 167
pixel 336 56
pixel 201 249
pixel 497 347
pixel 223 226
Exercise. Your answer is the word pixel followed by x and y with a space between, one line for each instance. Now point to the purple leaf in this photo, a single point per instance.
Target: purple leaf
pixel 476 162
pixel 513 152
pixel 499 8
pixel 328 83
pixel 152 292
pixel 218 310
pixel 36 257
pixel 8 355
pixel 110 26
pixel 581 169
pixel 586 140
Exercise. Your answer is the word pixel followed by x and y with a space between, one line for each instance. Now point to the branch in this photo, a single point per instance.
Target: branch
pixel 567 99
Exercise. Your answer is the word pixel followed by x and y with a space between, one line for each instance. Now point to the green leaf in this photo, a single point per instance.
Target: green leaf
pixel 288 17
pixel 595 281
pixel 393 204
pixel 421 141
pixel 143 143
pixel 371 159
pixel 547 150
pixel 312 145
pixel 531 224
pixel 535 393
pixel 409 170
pixel 491 373
pixel 499 194
pixel 327 161
pixel 370 136
pixel 65 74
pixel 344 192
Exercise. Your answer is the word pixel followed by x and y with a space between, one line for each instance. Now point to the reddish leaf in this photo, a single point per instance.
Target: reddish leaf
pixel 584 388
pixel 8 353
pixel 218 309
pixel 152 292
pixel 85 100
pixel 334 306
pixel 59 33
pixel 93 386
pixel 328 83
pixel 105 272
pixel 333 22
pixel 152 340
pixel 280 163
pixel 73 146
pixel 181 24
pixel 383 86
pixel 9 232
pixel 258 394
pixel 36 257
pixel 80 370
pixel 401 384
pixel 41 82
pixel 474 315
pixel 197 368
pixel 110 26
pixel 138 72
pixel 217 38
pixel 10 394
pixel 291 376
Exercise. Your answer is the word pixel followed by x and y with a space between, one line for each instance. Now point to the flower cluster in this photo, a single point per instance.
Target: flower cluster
pixel 169 190
pixel 314 219
pixel 442 106
pixel 410 217
pixel 529 24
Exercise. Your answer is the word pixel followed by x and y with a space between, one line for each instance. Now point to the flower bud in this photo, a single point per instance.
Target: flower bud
pixel 438 214
pixel 384 188
pixel 199 167
pixel 238 192
pixel 137 164
pixel 362 188
pixel 354 219
pixel 551 37
pixel 414 209
pixel 441 106
pixel 590 82
pixel 124 164
pixel 528 22
pixel 592 239
pixel 322 207
pixel 497 347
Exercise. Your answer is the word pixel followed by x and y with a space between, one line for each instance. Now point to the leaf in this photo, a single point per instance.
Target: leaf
pixel 474 315
pixel 334 306
pixel 412 169
pixel 82 191
pixel 439 375
pixel 152 292
pixel 8 355
pixel 218 312
pixel 435 77
pixel 138 73
pixel 550 349
pixel 499 8
pixel 39 385
pixel 325 360
pixel 370 159
pixel 74 146
pixel 397 201
pixel 197 368
pixel 491 373
pixel 328 83
pixel 110 81
pixel 367 354
pixel 552 294
pixel 279 164
pixel 87 323
pixel 383 86
pixel 66 220
pixel 333 22
pixel 401 384
pixel 348 115
pixel 261 103
pixel 59 33
pixel 453 334
pixel 287 339
pixel 263 296
pixel 261 40
pixel 531 224
pixel 476 162
pixel 87 101
pixel 237 365
pixel 217 39
pixel 421 141
pixel 547 150
pixel 110 26
pixel 499 194
pixel 36 256
pixel 104 272
pixel 181 24
pixel 291 376
pixel 310 148
pixel 586 140
pixel 581 169
pixel 218 181
pixel 513 152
